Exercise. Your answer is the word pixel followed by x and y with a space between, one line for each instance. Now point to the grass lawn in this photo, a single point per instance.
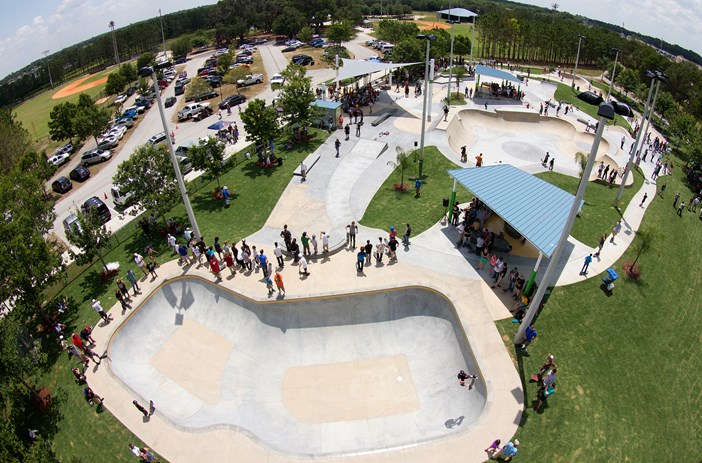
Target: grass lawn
pixel 457 98
pixel 34 113
pixel 635 105
pixel 255 192
pixel 391 207
pixel 628 380
pixel 569 95
pixel 597 216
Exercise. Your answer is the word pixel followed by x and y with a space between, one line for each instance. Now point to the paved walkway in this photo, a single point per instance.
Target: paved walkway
pixel 338 190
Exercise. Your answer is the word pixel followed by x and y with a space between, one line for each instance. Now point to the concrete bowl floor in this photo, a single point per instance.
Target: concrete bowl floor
pixel 330 376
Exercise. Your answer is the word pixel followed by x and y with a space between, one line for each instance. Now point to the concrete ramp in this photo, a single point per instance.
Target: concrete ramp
pixel 313 377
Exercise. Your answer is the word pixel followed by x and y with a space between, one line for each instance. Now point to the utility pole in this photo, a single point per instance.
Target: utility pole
pixel 114 41
pixel 163 36
pixel 577 58
pixel 48 68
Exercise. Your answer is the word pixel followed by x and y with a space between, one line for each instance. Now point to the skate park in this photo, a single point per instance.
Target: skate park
pixel 196 359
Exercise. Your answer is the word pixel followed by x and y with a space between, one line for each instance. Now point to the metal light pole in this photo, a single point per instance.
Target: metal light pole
pixel 114 41
pixel 151 71
pixel 448 96
pixel 654 75
pixel 48 68
pixel 614 71
pixel 163 36
pixel 429 38
pixel 605 111
pixel 472 39
pixel 577 58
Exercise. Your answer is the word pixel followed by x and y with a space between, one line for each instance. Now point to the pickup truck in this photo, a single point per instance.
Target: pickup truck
pixel 250 80
pixel 189 111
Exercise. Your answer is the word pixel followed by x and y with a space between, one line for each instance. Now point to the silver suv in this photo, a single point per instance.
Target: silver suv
pixel 94 156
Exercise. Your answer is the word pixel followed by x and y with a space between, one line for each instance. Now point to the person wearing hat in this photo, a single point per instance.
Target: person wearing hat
pixel 98 308
pixel 226 195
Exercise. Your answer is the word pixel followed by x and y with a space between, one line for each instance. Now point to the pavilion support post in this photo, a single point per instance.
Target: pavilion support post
pixel 453 200
pixel 477 85
pixel 530 283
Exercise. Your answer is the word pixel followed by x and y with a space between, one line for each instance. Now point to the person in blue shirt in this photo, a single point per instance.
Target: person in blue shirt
pixel 263 263
pixel 530 335
pixel 417 187
pixel 360 259
pixel 588 260
pixel 508 451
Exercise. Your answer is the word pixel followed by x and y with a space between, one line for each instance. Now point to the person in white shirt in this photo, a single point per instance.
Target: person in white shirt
pixel 303 266
pixel 325 241
pixel 278 253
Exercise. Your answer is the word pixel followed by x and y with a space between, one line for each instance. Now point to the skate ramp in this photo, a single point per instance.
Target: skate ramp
pixel 520 136
pixel 310 377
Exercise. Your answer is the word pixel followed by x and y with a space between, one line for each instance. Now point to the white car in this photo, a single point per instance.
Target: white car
pixel 117 131
pixel 107 143
pixel 120 99
pixel 277 79
pixel 59 158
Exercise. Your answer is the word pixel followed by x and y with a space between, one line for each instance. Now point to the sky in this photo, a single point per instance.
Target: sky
pixel 675 21
pixel 31 27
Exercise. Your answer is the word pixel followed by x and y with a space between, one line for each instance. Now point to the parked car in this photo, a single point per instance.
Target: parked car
pixel 120 99
pixel 180 60
pixel 277 79
pixel 67 148
pixel 158 139
pixel 96 206
pixel 244 60
pixel 261 41
pixel 59 159
pixel 179 89
pixel 232 100
pixel 131 114
pixel 245 52
pixel 250 80
pixel 214 81
pixel 184 164
pixel 120 197
pixel 79 173
pixel 188 111
pixel 126 122
pixel 302 60
pixel 71 224
pixel 206 96
pixel 94 156
pixel 170 101
pixel 61 185
pixel 107 143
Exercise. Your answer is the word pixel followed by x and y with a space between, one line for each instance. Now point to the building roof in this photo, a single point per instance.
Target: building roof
pixel 353 68
pixel 326 104
pixel 535 208
pixel 497 73
pixel 458 12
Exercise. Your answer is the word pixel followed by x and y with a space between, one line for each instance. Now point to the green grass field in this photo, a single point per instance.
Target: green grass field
pixel 598 215
pixel 392 207
pixel 628 385
pixel 255 191
pixel 569 95
pixel 34 113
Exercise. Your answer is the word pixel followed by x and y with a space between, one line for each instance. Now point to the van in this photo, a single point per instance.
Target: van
pixel 120 197
pixel 96 205
pixel 183 149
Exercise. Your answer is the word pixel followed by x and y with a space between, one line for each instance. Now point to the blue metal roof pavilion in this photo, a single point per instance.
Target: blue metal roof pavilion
pixel 535 208
pixel 497 73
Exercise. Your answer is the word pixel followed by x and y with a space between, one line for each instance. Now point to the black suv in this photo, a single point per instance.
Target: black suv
pixel 232 100
pixel 95 205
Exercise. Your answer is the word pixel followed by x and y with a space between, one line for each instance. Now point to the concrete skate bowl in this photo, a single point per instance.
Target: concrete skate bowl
pixel 522 135
pixel 328 376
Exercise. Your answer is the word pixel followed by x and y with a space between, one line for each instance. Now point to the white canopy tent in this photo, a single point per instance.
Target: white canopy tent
pixel 353 68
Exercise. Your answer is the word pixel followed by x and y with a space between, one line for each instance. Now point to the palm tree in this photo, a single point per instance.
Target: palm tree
pixel 402 161
pixel 581 158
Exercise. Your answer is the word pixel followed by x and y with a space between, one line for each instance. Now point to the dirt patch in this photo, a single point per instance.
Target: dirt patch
pixel 77 87
pixel 424 25
pixel 101 100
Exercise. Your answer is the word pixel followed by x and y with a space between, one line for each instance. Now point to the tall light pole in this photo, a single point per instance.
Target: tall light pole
pixel 448 96
pixel 163 36
pixel 48 68
pixel 605 111
pixel 429 38
pixel 577 58
pixel 114 41
pixel 472 38
pixel 654 76
pixel 614 72
pixel 150 71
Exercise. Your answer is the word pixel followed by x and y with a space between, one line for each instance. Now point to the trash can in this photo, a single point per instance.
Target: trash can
pixel 446 202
